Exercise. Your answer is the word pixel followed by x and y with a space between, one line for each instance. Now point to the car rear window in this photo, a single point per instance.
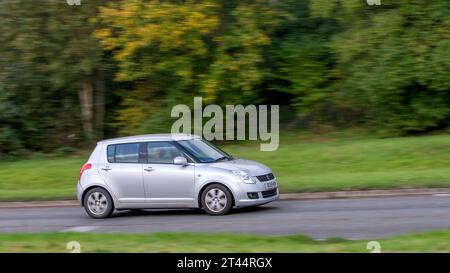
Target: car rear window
pixel 123 153
pixel 111 153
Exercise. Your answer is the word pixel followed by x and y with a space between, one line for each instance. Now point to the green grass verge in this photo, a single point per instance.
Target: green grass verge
pixel 302 164
pixel 350 164
pixel 435 241
pixel 40 178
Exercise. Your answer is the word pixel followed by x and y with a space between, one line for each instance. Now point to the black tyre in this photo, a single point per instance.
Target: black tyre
pixel 98 203
pixel 217 199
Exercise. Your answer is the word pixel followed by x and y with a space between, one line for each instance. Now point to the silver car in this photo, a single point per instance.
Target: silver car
pixel 170 171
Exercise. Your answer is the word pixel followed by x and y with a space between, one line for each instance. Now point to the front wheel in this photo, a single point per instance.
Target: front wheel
pixel 217 200
pixel 98 203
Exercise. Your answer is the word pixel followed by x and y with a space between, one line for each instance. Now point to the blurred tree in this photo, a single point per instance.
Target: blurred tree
pixel 239 48
pixel 301 60
pixel 172 50
pixel 158 46
pixel 393 61
pixel 49 62
pixel 333 61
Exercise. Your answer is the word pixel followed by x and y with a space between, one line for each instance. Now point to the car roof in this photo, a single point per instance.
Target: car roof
pixel 150 137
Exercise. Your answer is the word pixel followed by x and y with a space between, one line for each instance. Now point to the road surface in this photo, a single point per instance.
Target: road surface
pixel 364 218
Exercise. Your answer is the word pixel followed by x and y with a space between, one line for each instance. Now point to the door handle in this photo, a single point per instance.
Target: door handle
pixel 107 168
pixel 149 169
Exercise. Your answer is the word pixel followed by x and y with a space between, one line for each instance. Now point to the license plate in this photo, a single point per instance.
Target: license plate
pixel 271 185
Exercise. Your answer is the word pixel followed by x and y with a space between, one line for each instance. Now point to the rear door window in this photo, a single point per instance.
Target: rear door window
pixel 125 153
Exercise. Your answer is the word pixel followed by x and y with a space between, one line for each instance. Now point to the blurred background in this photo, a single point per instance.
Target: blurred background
pixel 357 85
pixel 364 104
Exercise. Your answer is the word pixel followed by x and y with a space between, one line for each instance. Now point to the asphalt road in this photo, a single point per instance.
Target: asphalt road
pixel 364 218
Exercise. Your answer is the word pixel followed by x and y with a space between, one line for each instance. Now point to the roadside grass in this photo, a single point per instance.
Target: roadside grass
pixel 302 163
pixel 330 164
pixel 41 178
pixel 434 241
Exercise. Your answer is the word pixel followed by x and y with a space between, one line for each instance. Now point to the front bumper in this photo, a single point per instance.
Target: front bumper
pixel 243 200
pixel 255 202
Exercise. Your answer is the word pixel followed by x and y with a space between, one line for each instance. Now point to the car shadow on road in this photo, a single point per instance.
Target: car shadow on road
pixel 182 212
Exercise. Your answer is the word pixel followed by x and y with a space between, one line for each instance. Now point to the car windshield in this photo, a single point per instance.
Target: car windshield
pixel 204 151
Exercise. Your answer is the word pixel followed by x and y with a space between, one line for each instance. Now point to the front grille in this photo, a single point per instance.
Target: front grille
pixel 269 193
pixel 266 177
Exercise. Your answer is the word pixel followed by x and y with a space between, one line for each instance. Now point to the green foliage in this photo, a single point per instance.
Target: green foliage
pixel 45 48
pixel 174 50
pixel 333 61
pixel 302 59
pixel 393 61
pixel 9 144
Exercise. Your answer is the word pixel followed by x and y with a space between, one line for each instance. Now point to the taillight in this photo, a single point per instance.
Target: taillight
pixel 85 167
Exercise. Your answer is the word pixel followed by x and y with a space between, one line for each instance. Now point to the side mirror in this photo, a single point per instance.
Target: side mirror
pixel 179 160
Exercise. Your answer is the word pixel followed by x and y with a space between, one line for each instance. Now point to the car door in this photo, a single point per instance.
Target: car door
pixel 167 184
pixel 123 171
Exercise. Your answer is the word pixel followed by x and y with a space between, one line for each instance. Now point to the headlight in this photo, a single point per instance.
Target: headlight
pixel 245 177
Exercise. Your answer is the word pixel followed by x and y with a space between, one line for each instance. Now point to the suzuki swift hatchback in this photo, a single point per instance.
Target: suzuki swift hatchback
pixel 170 171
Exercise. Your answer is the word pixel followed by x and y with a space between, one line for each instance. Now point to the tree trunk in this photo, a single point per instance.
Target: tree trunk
pixel 85 94
pixel 99 106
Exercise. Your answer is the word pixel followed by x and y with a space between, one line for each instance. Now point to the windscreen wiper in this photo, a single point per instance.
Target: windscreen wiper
pixel 221 158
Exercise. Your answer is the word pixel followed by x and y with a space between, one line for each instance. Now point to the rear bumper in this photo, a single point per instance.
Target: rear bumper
pixel 79 193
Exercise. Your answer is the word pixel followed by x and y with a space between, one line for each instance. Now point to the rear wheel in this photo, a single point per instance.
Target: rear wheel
pixel 217 200
pixel 98 203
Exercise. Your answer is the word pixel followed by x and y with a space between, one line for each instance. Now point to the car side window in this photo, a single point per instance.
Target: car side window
pixel 111 153
pixel 162 152
pixel 127 153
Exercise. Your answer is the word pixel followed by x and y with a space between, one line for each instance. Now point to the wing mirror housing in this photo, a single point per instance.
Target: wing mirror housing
pixel 180 160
